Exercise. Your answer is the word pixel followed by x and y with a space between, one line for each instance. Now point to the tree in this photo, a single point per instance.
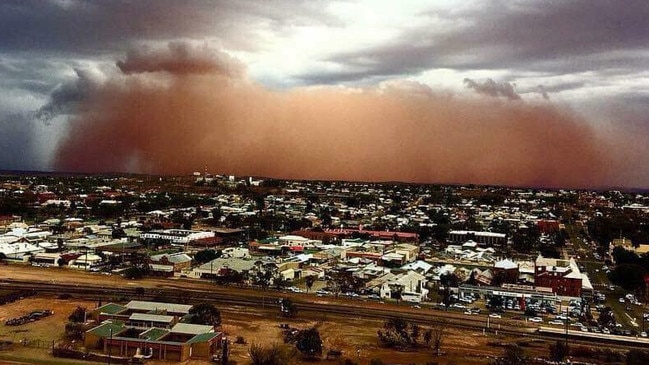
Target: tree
pixel 637 357
pixel 205 256
pixel 629 276
pixel 559 350
pixel 396 290
pixel 399 333
pixel 428 336
pixel 514 355
pixel 205 313
pixel 118 233
pixel 134 273
pixel 309 281
pixel 74 331
pixel 437 336
pixel 61 262
pixel 275 354
pixel 287 308
pixel 606 317
pixel 2 256
pixel 308 342
pixel 78 315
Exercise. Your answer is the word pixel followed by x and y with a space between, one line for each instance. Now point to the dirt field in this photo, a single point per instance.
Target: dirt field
pixel 342 333
pixel 355 337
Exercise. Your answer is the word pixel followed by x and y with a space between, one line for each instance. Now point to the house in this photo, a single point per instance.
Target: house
pixel 563 276
pixel 409 286
pixel 174 262
pixel 86 261
pixel 507 271
pixel 19 250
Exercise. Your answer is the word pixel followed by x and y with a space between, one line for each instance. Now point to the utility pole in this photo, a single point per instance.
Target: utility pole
pixel 566 323
pixel 110 330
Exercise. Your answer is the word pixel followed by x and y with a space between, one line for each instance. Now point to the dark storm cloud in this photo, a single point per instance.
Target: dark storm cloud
pixel 17 149
pixel 568 36
pixel 491 88
pixel 65 98
pixel 181 58
pixel 97 27
pixel 33 75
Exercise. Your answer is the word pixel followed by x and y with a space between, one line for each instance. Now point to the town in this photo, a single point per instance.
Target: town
pixel 557 260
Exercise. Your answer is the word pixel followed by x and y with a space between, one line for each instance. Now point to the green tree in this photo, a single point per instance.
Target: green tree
pixel 308 342
pixel 559 351
pixel 288 308
pixel 205 256
pixel 513 355
pixel 74 331
pixel 629 276
pixel 61 262
pixel 606 317
pixel 78 315
pixel 205 313
pixel 637 357
pixel 274 354
pixel 309 281
pixel 438 333
pixel 399 333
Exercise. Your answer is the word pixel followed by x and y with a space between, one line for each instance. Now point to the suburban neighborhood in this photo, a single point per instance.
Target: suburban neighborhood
pixel 543 256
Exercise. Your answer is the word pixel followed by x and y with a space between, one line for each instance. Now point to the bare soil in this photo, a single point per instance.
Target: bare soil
pixel 356 337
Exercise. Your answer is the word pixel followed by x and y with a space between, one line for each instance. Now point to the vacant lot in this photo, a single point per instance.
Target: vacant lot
pixel 355 337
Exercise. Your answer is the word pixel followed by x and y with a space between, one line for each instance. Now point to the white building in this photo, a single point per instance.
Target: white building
pixel 177 236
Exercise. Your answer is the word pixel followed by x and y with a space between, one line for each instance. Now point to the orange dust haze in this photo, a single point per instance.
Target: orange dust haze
pixel 175 112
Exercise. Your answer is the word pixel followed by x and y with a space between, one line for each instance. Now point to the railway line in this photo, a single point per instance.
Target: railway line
pixel 233 296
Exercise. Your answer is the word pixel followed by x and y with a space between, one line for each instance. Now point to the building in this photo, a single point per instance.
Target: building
pixel 507 271
pixel 180 342
pixel 152 330
pixel 481 237
pixel 172 262
pixel 176 236
pixel 563 276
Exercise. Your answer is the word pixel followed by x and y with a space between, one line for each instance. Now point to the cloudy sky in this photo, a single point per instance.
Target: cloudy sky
pixel 550 93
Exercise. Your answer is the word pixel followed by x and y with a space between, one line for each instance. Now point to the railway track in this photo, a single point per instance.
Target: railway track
pixel 232 296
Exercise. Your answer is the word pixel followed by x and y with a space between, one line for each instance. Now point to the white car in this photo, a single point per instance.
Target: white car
pixel 495 315
pixel 643 334
pixel 606 330
pixel 557 322
pixel 536 319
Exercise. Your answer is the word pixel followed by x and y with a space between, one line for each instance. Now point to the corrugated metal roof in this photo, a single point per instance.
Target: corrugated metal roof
pixel 158 306
pixel 151 318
